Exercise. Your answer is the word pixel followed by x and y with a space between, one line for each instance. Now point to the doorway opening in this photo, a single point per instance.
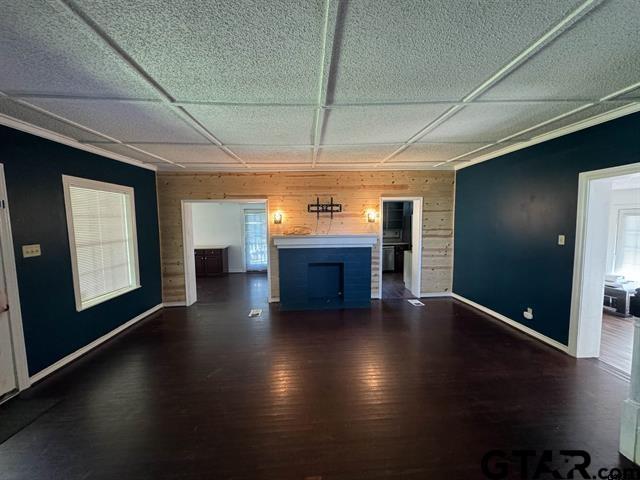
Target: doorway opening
pixel 14 375
pixel 401 247
pixel 226 250
pixel 607 266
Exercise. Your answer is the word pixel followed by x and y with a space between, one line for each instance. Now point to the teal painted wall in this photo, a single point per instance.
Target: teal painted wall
pixel 33 169
pixel 509 212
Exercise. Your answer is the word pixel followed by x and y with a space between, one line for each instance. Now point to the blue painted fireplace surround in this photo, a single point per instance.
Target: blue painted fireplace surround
pixel 321 278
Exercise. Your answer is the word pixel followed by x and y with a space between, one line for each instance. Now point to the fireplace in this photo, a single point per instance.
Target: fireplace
pixel 324 271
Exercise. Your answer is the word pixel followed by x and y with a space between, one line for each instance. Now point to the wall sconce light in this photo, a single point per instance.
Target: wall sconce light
pixel 371 216
pixel 277 218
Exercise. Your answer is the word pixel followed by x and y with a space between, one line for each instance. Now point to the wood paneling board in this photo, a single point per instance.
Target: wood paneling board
pixel 291 192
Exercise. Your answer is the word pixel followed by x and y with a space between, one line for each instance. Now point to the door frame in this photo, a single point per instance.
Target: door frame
pixel 416 240
pixel 584 335
pixel 13 294
pixel 191 294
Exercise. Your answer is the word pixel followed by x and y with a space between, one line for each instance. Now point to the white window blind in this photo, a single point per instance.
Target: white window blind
pixel 627 259
pixel 102 240
pixel 255 239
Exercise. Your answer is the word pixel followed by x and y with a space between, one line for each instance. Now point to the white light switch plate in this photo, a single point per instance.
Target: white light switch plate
pixel 31 250
pixel 561 240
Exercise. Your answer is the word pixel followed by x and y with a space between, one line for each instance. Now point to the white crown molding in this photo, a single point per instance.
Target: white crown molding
pixel 63 139
pixel 277 168
pixel 566 130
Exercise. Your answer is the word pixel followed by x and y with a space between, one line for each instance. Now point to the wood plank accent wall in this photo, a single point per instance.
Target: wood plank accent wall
pixel 291 192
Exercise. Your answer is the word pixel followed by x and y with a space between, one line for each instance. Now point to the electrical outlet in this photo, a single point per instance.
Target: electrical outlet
pixel 31 250
pixel 528 314
pixel 561 240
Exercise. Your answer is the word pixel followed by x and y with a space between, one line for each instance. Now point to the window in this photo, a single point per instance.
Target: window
pixel 255 240
pixel 102 239
pixel 627 259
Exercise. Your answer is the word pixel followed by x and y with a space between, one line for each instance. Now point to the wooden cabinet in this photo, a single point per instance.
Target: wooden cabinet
pixel 212 261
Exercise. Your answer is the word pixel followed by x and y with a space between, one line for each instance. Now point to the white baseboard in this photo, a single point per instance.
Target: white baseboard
pixel 435 295
pixel 87 348
pixel 181 303
pixel 274 299
pixel 529 331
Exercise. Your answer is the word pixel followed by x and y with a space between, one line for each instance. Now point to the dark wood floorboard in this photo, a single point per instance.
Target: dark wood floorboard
pixel 616 345
pixel 249 286
pixel 393 286
pixel 388 392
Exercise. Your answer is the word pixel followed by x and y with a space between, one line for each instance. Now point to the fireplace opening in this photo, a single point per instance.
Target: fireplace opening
pixel 326 281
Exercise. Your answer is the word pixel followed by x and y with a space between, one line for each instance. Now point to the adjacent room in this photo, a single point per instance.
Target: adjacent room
pixel 622 271
pixel 227 249
pixel 319 239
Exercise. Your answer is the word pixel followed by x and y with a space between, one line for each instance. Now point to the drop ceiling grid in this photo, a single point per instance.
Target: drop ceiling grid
pixel 321 133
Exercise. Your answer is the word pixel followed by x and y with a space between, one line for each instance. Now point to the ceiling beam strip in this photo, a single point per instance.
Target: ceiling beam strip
pixel 559 28
pixel 80 126
pixel 76 13
pixel 328 37
pixel 334 106
pixel 605 99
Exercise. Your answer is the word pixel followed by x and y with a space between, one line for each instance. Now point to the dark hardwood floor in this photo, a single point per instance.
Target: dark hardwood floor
pixel 616 345
pixel 393 286
pixel 388 392
pixel 252 285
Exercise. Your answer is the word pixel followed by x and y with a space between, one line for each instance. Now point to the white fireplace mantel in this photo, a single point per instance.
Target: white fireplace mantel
pixel 324 241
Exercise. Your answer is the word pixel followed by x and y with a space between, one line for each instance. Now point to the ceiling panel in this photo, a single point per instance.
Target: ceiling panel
pixel 576 117
pixel 261 155
pixel 595 58
pixel 437 50
pixel 233 50
pixel 353 154
pixel 189 153
pixel 121 149
pixel 45 51
pixel 488 122
pixel 33 117
pixel 434 153
pixel 127 121
pixel 252 125
pixel 377 124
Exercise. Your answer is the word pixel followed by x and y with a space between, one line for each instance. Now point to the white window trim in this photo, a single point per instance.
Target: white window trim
pixel 69 181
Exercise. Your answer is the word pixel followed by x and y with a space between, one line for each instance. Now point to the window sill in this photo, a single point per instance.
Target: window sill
pixel 105 298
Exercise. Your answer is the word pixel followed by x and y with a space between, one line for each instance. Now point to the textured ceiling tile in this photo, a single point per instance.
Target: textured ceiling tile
pixel 126 151
pixel 435 153
pixel 235 51
pixel 359 154
pixel 377 124
pixel 442 49
pixel 33 117
pixel 598 56
pixel 257 125
pixel 576 117
pixel 126 121
pixel 273 154
pixel 189 153
pixel 45 51
pixel 488 122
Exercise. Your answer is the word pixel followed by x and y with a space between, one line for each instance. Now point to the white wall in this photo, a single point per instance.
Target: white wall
pixel 217 224
pixel 620 199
